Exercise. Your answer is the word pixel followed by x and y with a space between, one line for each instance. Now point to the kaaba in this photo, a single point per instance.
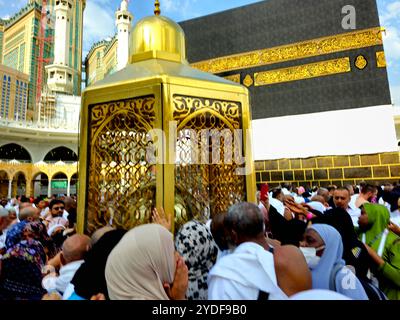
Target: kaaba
pixel 313 67
pixel 276 35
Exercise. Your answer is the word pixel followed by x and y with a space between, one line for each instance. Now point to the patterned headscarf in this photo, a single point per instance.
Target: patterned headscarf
pixel 37 231
pixel 21 274
pixel 196 245
pixel 14 234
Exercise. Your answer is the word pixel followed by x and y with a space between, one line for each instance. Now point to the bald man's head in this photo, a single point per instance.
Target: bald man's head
pixel 69 203
pixel 319 199
pixel 23 205
pixel 324 193
pixel 29 213
pixel 75 248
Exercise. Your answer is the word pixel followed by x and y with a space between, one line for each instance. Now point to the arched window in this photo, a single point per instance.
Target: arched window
pixel 61 154
pixel 14 151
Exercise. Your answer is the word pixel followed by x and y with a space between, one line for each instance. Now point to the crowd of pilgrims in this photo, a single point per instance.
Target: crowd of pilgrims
pixel 334 243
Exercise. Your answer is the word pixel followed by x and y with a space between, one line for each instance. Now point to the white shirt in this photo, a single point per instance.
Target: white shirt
pixel 3 239
pixel 60 283
pixel 316 205
pixel 354 213
pixel 242 274
pixel 278 205
pixel 353 199
pixel 395 217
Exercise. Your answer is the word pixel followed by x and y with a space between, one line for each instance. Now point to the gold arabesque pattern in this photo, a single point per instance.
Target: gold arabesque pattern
pixel 205 175
pixel 121 181
pixel 233 77
pixel 306 71
pixel 310 48
pixel 361 62
pixel 380 59
pixel 248 81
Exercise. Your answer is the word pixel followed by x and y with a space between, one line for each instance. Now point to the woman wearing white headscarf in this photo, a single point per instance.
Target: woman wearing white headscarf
pixel 323 252
pixel 143 266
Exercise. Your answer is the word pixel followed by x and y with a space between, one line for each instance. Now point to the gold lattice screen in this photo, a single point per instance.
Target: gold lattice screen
pixel 205 174
pixel 121 183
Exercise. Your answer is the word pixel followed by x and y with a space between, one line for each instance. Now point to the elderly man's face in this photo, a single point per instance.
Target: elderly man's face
pixel 341 199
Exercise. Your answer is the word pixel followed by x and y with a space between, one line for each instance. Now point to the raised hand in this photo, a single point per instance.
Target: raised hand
pixel 177 290
pixel 394 228
pixel 162 218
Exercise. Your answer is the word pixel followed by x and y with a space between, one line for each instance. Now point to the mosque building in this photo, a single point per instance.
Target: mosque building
pixel 40 88
pixel 108 56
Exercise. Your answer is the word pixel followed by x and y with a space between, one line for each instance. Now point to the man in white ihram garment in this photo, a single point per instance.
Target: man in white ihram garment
pixel 248 273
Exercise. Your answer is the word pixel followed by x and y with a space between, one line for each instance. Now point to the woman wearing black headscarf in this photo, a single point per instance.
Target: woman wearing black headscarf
pixel 354 251
pixel 90 279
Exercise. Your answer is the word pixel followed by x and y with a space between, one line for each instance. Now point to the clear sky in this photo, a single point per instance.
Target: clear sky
pixel 99 22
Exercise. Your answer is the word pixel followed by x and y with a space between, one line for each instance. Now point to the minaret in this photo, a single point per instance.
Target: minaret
pixel 60 74
pixel 123 21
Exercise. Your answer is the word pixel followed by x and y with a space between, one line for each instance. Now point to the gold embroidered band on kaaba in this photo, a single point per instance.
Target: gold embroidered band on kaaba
pixel 234 77
pixel 310 48
pixel 307 71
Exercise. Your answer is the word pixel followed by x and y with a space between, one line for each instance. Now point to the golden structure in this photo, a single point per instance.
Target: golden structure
pixel 159 133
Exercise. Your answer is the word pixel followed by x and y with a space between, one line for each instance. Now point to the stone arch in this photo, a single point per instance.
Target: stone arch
pixel 74 183
pixel 59 183
pixel 40 184
pixel 15 151
pixel 61 153
pixel 19 184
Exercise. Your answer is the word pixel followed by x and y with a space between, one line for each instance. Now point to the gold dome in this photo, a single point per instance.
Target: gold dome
pixel 157 37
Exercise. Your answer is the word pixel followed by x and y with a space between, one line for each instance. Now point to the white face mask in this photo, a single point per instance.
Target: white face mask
pixel 310 254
